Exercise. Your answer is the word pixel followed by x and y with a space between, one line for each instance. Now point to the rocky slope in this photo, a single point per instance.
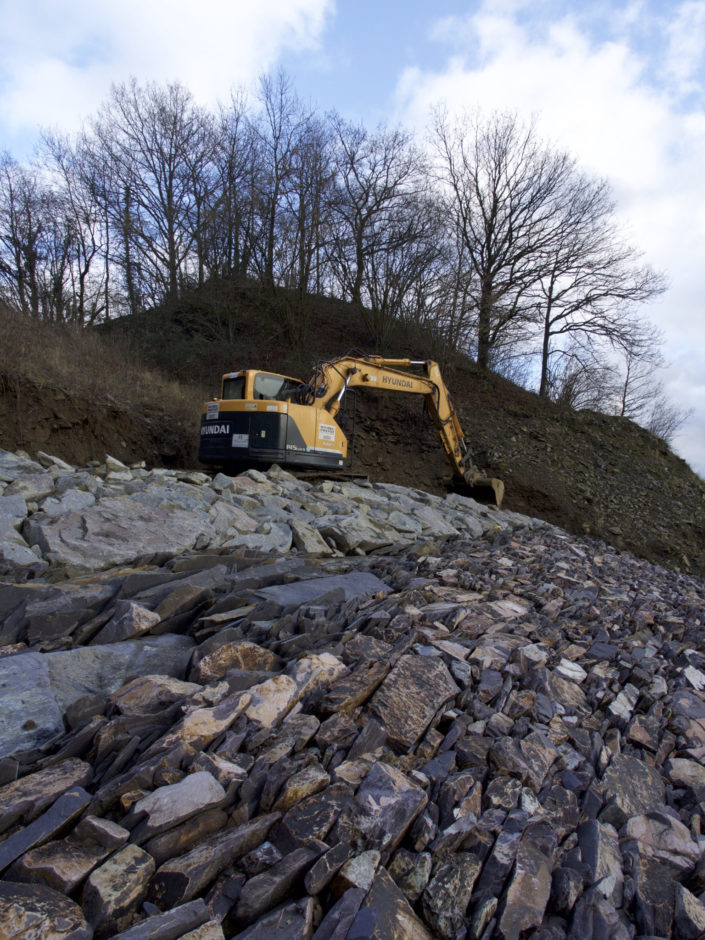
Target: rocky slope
pixel 256 707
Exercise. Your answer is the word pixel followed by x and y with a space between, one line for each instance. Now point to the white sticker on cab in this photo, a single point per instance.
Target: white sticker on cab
pixel 326 432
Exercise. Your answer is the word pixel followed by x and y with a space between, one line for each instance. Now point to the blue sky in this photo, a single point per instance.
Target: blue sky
pixel 619 84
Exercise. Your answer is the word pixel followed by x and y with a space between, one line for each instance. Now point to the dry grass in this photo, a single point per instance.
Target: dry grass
pixel 83 362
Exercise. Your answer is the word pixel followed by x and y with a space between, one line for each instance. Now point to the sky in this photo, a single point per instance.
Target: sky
pixel 618 84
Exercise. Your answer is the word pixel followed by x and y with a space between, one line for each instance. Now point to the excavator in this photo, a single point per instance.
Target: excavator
pixel 263 418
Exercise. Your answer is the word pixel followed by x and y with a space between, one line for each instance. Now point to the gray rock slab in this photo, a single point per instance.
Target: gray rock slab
pixel 104 669
pixel 29 713
pixel 33 486
pixel 354 584
pixel 12 465
pixel 14 548
pixel 71 500
pixel 114 531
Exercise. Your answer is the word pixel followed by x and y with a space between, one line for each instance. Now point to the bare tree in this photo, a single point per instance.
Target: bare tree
pixel 590 280
pixel 22 226
pixel 155 141
pixel 376 174
pixel 503 191
pixel 232 226
pixel 641 394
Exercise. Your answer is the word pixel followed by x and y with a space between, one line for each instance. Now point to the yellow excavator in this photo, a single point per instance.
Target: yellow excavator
pixel 263 418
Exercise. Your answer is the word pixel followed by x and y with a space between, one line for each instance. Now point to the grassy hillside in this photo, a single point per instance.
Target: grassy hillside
pixel 135 390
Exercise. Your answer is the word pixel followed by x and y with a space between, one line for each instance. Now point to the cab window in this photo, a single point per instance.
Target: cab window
pixel 274 387
pixel 234 388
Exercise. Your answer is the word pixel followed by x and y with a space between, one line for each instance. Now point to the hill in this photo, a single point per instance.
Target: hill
pixel 589 473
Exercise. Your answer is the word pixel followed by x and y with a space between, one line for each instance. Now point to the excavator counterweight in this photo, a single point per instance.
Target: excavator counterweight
pixel 263 418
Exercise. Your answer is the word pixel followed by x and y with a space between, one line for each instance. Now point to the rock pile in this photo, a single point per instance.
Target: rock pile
pixel 255 707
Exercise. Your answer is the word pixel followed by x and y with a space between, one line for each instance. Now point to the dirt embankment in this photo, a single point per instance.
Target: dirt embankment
pixel 588 473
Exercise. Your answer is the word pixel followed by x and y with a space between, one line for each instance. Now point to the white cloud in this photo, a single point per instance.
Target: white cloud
pixel 64 54
pixel 598 95
pixel 686 45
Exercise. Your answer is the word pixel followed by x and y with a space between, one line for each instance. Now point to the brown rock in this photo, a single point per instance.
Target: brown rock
pixel 530 886
pixel 182 838
pixel 410 696
pixel 181 879
pixel 354 689
pixel 147 695
pixel 386 914
pixel 36 912
pixel 236 655
pixel 27 797
pixel 309 780
pixel 447 895
pixel 266 890
pixel 630 787
pixel 115 891
pixel 64 811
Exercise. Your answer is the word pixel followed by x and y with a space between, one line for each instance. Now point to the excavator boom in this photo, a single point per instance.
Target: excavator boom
pixel 267 418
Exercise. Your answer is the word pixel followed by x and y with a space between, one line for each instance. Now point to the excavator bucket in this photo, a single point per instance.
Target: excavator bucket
pixel 483 489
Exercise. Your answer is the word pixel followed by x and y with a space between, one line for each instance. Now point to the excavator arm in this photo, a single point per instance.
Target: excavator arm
pixel 332 379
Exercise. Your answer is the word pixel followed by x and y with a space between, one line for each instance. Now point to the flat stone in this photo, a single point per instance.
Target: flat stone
pixel 599 847
pixel 314 817
pixel 148 695
pixel 269 888
pixel 30 716
pixel 415 689
pixel 130 620
pixel 115 531
pixel 386 914
pixel 309 780
pixel 104 669
pixel 177 923
pixel 37 912
pixel 357 872
pixel 181 879
pixel 324 869
pixel 294 921
pixel 355 688
pixel 689 918
pixel 655 899
pixel 338 920
pixel 186 836
pixel 24 799
pixel 115 890
pixel 61 864
pixel 447 895
pixel 199 727
pixel 530 886
pixel 355 584
pixel 630 787
pixel 664 839
pixel 240 654
pixel 271 700
pixel 684 772
pixel 173 804
pixel 389 802
pixel 62 813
